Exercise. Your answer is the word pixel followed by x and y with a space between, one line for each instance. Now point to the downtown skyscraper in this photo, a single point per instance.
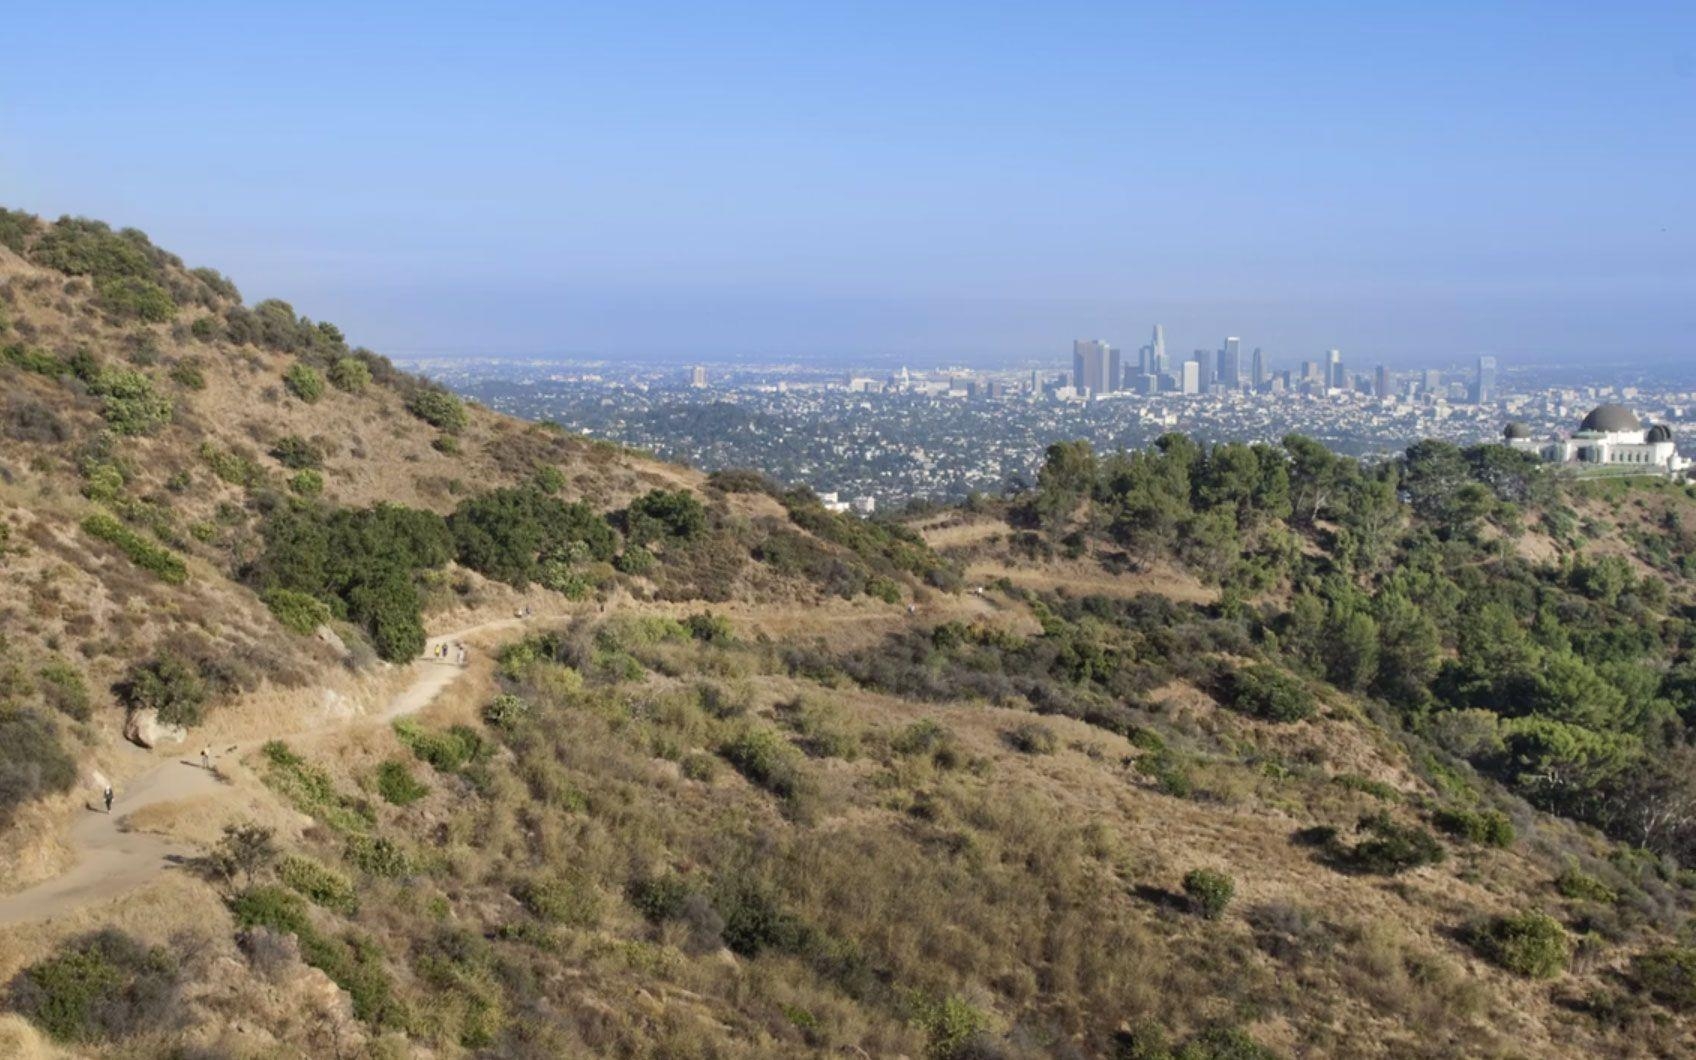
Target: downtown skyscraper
pixel 1095 367
pixel 1231 364
pixel 1484 384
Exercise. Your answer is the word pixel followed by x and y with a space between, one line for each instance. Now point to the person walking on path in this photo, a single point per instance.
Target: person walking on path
pixel 461 654
pixel 206 759
pixel 108 798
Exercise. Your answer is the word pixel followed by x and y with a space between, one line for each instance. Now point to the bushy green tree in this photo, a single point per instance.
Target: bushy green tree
pixel 661 514
pixel 133 297
pixel 439 409
pixel 350 374
pixel 508 534
pixel 169 684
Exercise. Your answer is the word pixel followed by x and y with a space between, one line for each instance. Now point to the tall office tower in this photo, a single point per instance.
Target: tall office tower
pixel 1115 371
pixel 1333 369
pixel 1094 365
pixel 1484 387
pixel 1381 385
pixel 1158 344
pixel 1259 376
pixel 1203 360
pixel 698 377
pixel 1432 383
pixel 1192 377
pixel 1231 364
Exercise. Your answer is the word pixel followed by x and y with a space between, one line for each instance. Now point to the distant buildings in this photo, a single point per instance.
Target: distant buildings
pixel 1191 383
pixel 1095 367
pixel 698 377
pixel 1484 383
pixel 1231 364
pixel 1610 439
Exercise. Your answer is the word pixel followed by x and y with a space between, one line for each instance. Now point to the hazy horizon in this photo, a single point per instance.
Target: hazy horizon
pixel 947 183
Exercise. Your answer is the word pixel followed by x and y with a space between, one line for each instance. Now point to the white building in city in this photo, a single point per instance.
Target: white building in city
pixel 1611 436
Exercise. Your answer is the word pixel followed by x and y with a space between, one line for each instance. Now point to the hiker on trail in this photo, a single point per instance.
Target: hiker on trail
pixel 206 759
pixel 462 655
pixel 108 797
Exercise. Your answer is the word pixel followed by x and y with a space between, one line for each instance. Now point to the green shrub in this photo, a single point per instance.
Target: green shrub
pixel 398 786
pixel 63 687
pixel 353 964
pixel 81 247
pixel 953 1028
pixel 1169 771
pixel 321 884
pixel 570 899
pixel 295 453
pixel 1530 944
pixel 1389 848
pixel 506 711
pixel 1375 788
pixel 1485 827
pixel 296 611
pixel 548 479
pixel 754 918
pixel 448 752
pixel 168 684
pixel 307 482
pixel 161 561
pixel 312 792
pixel 711 628
pixel 1210 892
pixel 188 374
pixel 137 299
pixel 104 483
pixel 661 898
pixel 204 328
pixel 30 359
pixel 700 767
pixel 1668 976
pixel 350 374
pixel 507 534
pixel 439 409
pixel 659 514
pixel 100 987
pixel 1267 692
pixel 33 762
pixel 446 444
pixel 233 468
pixel 16 228
pixel 634 560
pixel 129 402
pixel 377 856
pixel 765 758
pixel 929 738
pixel 304 382
pixel 1033 738
pixel 1581 886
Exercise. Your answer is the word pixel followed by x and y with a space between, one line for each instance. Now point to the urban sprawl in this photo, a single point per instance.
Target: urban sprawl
pixel 866 440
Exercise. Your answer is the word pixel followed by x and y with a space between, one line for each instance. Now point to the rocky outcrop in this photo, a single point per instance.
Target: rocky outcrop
pixel 144 729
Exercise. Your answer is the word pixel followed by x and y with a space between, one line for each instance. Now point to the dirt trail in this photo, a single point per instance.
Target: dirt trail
pixel 112 861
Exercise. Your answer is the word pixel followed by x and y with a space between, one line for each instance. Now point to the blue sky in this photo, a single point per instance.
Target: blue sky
pixel 1410 182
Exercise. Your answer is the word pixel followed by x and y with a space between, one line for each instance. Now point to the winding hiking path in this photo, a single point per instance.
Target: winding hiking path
pixel 112 861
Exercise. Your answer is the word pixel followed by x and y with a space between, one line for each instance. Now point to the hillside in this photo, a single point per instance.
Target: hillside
pixel 1229 752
